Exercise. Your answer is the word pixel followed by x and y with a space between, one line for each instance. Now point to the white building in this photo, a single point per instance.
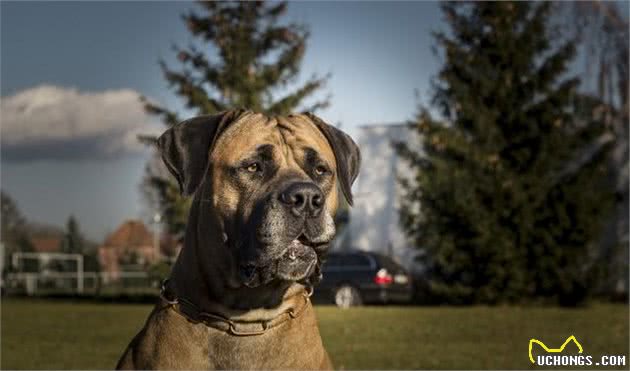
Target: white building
pixel 374 220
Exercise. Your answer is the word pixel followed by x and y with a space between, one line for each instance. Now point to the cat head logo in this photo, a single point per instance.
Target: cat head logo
pixel 553 350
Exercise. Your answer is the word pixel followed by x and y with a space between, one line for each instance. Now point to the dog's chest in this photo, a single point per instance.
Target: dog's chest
pixel 292 345
pixel 172 342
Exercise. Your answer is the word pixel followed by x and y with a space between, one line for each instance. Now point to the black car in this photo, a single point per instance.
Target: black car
pixel 356 277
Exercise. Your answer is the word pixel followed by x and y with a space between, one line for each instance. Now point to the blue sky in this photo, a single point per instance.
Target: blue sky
pixel 92 60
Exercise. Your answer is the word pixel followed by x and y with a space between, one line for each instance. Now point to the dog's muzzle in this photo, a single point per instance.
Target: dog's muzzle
pixel 293 232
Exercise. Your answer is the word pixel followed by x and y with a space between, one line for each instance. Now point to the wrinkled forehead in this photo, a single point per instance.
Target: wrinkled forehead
pixel 290 136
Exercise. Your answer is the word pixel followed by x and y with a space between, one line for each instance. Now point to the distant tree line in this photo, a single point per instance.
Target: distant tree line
pixel 18 234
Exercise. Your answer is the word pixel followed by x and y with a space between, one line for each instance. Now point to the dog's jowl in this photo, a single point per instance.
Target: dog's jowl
pixel 265 191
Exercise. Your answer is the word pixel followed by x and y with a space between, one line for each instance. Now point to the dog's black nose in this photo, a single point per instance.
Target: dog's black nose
pixel 304 199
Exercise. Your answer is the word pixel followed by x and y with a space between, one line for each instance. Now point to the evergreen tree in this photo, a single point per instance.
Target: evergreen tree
pixel 14 234
pixel 74 241
pixel 246 58
pixel 507 194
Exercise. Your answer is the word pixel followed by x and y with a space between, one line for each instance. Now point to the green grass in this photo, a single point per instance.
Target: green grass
pixel 39 334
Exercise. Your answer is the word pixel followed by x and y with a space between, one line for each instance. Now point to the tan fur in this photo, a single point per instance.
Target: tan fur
pixel 170 341
pixel 289 135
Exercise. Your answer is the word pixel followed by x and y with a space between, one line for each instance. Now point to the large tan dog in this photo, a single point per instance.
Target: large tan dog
pixel 265 193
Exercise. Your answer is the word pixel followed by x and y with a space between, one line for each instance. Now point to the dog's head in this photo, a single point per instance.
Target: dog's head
pixel 271 183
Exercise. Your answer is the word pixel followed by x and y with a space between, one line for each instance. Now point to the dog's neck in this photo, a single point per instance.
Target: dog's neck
pixel 201 276
pixel 293 301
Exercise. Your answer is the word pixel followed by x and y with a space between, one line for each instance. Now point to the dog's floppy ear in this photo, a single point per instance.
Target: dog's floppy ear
pixel 346 153
pixel 185 147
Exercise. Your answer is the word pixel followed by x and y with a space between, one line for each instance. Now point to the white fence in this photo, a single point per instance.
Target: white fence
pixel 49 282
pixel 62 273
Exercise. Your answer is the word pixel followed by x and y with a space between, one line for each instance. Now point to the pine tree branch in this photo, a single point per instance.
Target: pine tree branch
pixel 168 117
pixel 290 102
pixel 319 105
pixel 150 140
pixel 195 96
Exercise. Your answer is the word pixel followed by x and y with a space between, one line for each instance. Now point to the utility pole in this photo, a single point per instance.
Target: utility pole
pixel 157 218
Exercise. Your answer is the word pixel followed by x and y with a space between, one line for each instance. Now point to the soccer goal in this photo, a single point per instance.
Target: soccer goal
pixel 35 269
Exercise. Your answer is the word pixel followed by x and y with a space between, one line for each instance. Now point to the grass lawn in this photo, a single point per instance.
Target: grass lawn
pixel 39 334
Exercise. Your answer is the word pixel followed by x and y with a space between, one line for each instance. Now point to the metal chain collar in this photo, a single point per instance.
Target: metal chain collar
pixel 234 327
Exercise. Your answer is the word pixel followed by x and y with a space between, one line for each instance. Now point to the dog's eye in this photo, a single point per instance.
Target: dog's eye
pixel 321 170
pixel 253 168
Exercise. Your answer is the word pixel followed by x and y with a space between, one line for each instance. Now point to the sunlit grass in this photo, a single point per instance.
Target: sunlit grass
pixel 59 335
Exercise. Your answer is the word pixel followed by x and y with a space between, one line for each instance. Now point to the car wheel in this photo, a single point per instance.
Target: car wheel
pixel 347 296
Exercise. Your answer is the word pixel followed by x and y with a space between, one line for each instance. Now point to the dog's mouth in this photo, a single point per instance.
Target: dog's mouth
pixel 298 261
pixel 298 249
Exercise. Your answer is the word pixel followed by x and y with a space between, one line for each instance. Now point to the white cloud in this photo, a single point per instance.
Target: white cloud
pixel 51 122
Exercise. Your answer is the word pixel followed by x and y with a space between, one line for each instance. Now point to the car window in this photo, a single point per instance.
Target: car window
pixel 333 261
pixel 356 260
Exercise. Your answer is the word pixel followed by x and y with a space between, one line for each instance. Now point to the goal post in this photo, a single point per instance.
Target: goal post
pixel 50 256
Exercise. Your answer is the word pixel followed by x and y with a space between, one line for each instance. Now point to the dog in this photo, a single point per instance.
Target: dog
pixel 265 191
